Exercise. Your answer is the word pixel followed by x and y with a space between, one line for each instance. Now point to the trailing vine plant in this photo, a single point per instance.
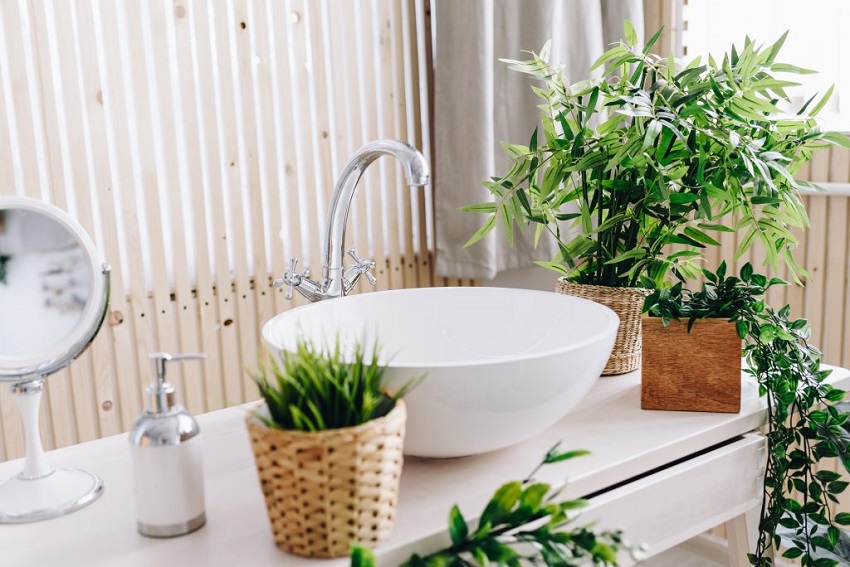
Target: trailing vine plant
pixel 524 523
pixel 805 422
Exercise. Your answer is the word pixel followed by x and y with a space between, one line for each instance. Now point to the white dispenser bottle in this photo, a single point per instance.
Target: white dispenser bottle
pixel 167 461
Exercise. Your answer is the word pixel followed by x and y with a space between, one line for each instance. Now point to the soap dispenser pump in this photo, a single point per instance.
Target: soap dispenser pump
pixel 167 460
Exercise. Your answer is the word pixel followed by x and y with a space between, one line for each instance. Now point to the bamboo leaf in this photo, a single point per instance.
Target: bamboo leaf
pixel 629 33
pixel 483 231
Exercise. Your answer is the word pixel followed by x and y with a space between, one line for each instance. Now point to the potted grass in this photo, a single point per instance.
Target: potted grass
pixel 648 155
pixel 327 444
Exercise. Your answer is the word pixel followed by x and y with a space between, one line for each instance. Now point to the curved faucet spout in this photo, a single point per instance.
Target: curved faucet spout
pixel 417 172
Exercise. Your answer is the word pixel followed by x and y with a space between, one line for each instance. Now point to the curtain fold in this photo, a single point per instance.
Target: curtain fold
pixel 479 102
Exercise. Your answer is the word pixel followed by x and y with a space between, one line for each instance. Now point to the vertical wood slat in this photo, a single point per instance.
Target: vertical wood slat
pixel 166 107
pixel 203 302
pixel 60 400
pixel 389 178
pixel 115 396
pixel 121 108
pixel 367 38
pixel 67 53
pixel 265 203
pixel 817 238
pixel 284 158
pixel 117 99
pixel 245 128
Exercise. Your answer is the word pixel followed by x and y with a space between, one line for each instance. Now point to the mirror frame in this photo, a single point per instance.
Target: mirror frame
pixel 62 353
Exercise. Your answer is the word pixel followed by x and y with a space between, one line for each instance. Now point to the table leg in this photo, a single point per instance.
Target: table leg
pixel 741 535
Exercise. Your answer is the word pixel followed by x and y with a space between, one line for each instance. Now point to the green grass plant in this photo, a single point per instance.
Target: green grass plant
pixel 315 387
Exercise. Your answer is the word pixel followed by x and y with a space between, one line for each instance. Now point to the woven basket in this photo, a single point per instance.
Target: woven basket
pixel 326 489
pixel 627 303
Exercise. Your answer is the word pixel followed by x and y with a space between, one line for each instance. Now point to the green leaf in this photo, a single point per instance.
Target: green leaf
pixel 499 553
pixel 480 557
pixel 483 231
pixel 556 455
pixel 836 138
pixel 648 45
pixel 683 198
pixel 767 333
pixel 532 496
pixel 833 534
pixel 700 236
pixel 822 102
pixel 362 556
pixel 787 68
pixel 515 151
pixel 489 207
pixel 501 504
pixel 458 530
pixel 554 266
pixel 629 33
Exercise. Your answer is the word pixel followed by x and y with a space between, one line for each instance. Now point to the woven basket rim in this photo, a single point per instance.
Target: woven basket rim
pixel 251 420
pixel 610 288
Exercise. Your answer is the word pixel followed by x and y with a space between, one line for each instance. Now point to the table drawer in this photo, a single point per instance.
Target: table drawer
pixel 676 503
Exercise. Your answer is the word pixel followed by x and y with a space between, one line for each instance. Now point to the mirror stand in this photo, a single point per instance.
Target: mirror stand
pixel 40 491
pixel 54 297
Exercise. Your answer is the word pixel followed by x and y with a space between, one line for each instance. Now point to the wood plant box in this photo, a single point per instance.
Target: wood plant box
pixel 696 371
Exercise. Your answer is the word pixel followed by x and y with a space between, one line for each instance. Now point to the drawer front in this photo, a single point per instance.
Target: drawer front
pixel 677 503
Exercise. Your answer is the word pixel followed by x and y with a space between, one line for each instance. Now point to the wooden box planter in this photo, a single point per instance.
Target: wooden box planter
pixel 696 371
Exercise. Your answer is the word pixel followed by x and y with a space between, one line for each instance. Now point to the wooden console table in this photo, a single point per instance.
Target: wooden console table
pixel 661 477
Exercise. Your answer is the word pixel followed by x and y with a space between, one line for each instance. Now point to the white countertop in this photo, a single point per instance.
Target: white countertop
pixel 625 442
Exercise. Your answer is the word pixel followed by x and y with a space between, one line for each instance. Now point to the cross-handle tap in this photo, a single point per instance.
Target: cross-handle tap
pixel 360 267
pixel 292 279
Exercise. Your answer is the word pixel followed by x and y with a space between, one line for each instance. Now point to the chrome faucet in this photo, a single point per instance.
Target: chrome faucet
pixel 337 281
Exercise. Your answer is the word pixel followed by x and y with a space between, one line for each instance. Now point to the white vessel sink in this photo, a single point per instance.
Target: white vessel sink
pixel 501 364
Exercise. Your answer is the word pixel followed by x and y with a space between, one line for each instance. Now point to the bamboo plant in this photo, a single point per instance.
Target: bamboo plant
pixel 649 154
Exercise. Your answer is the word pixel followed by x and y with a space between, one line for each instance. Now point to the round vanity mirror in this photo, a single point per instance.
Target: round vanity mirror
pixel 53 299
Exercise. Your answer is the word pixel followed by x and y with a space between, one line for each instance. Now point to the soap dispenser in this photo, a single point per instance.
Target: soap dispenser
pixel 167 460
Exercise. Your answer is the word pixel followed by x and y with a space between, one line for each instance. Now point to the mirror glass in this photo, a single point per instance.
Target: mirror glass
pixel 52 290
pixel 45 283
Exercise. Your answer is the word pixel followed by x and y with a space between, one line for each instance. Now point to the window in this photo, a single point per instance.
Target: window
pixel 817 40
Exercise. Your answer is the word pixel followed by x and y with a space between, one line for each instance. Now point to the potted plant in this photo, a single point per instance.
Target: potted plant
pixel 692 342
pixel 648 155
pixel 327 443
pixel 806 419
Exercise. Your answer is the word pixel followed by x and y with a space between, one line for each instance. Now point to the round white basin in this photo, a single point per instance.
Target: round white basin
pixel 500 365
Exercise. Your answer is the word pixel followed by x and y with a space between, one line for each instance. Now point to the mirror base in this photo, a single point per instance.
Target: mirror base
pixel 61 492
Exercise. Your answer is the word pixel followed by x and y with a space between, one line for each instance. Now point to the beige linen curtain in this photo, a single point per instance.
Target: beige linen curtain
pixel 479 102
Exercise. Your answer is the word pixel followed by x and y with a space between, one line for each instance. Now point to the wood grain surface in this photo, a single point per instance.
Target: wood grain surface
pixel 696 371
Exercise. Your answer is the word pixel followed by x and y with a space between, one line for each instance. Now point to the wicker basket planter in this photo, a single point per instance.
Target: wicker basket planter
pixel 696 371
pixel 325 489
pixel 627 303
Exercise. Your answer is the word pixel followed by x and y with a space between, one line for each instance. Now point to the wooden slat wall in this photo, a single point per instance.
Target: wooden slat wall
pixel 198 143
